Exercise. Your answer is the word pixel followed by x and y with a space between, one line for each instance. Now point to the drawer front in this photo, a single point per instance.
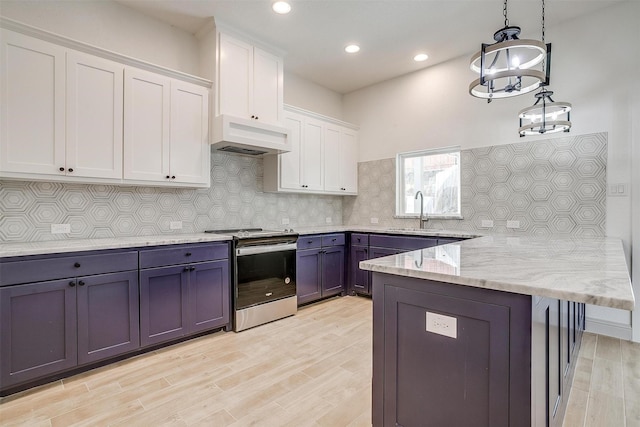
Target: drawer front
pixel 309 242
pixel 333 240
pixel 407 243
pixel 359 239
pixel 183 254
pixel 37 270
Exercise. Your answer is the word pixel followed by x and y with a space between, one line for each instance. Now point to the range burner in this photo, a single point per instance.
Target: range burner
pixel 248 233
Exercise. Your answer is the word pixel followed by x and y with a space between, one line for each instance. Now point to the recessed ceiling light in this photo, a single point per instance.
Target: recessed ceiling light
pixel 352 48
pixel 281 7
pixel 421 57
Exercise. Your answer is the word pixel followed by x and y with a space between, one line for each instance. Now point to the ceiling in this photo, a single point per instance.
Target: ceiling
pixel 390 32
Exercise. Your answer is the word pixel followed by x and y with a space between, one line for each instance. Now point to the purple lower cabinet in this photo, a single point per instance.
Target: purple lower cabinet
pixel 164 301
pixel 424 376
pixel 108 315
pixel 37 330
pixel 359 279
pixel 209 305
pixel 333 271
pixel 308 275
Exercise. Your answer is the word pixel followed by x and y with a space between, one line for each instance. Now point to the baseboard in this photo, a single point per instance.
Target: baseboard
pixel 612 329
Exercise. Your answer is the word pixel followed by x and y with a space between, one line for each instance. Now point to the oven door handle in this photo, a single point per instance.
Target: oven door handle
pixel 252 250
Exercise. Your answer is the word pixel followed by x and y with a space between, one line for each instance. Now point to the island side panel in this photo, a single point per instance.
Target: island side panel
pixel 482 377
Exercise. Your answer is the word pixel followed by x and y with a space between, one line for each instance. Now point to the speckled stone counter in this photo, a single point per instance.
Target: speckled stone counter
pixel 384 230
pixel 78 245
pixel 592 271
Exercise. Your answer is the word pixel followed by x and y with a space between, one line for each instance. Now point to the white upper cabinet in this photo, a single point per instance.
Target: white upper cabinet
pixel 189 146
pixel 323 159
pixel 250 81
pixel 94 117
pixel 146 132
pixel 73 116
pixel 166 130
pixel 32 90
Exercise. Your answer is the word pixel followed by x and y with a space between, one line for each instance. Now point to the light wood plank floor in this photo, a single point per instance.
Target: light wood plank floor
pixel 312 369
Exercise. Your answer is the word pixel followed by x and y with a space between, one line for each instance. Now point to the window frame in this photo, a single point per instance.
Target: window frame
pixel 400 181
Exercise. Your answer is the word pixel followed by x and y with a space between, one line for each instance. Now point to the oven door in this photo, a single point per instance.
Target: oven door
pixel 264 274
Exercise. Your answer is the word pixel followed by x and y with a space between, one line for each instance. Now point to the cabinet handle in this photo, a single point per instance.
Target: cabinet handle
pixel 333 240
pixel 76 265
pixel 253 116
pixel 191 268
pixel 168 177
pixel 173 177
pixel 366 251
pixel 70 169
pixel 61 169
pixel 188 254
pixel 257 117
pixel 310 242
pixel 81 283
pixel 186 269
pixel 72 284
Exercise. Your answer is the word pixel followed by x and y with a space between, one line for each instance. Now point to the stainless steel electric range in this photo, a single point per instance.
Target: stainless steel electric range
pixel 264 275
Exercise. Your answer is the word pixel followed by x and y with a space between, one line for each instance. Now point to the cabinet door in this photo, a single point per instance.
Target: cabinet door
pixel 312 155
pixel 189 148
pixel 94 117
pixel 209 298
pixel 163 304
pixel 359 278
pixel 108 315
pixel 349 161
pixel 267 87
pixel 290 163
pixel 308 275
pixel 333 270
pixel 235 77
pixel 146 126
pixel 380 252
pixel 37 330
pixel 332 159
pixel 32 135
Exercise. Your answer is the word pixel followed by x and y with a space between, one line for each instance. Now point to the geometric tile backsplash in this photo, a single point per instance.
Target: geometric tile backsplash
pixel 235 199
pixel 552 187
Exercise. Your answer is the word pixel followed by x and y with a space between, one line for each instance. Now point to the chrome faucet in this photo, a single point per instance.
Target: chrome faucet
pixel 423 219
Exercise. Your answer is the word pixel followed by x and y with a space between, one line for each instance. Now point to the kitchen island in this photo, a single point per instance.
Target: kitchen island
pixel 486 331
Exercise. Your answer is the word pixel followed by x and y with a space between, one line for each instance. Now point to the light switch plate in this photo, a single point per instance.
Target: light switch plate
pixel 513 224
pixel 617 190
pixel 328 220
pixel 374 220
pixel 487 223
pixel 175 225
pixel 285 221
pixel 442 325
pixel 60 228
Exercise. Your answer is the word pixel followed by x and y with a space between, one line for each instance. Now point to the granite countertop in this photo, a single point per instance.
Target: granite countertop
pixel 589 270
pixel 77 245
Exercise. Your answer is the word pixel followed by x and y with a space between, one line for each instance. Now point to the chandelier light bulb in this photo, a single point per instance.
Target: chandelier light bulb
pixel 352 48
pixel 515 62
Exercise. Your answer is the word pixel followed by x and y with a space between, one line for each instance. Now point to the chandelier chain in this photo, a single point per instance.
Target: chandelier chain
pixel 504 12
pixel 543 60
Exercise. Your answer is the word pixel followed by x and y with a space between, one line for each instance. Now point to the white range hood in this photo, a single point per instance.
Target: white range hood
pixel 249 137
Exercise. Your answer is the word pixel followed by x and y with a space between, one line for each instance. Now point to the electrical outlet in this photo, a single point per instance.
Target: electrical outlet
pixel 374 220
pixel 442 325
pixel 60 228
pixel 487 223
pixel 618 190
pixel 513 224
pixel 285 221
pixel 175 225
pixel 328 220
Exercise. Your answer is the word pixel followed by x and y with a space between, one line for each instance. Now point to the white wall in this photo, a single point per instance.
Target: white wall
pixel 310 96
pixel 111 26
pixel 595 65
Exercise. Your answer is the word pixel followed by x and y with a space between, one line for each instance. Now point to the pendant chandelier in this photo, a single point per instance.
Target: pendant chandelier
pixel 545 115
pixel 506 66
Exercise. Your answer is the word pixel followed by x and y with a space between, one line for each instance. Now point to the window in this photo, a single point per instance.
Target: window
pixel 436 173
